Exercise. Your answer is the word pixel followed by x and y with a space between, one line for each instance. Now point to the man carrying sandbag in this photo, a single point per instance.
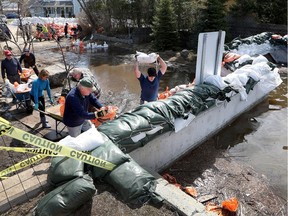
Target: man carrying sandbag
pixel 150 84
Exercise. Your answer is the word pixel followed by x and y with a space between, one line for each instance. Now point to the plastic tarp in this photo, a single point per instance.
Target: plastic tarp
pixel 67 198
pixel 63 169
pixel 134 183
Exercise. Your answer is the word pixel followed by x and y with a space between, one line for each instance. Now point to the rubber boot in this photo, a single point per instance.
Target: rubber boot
pixel 44 123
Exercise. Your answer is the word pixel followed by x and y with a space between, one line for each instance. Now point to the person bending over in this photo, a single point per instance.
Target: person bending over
pixel 76 115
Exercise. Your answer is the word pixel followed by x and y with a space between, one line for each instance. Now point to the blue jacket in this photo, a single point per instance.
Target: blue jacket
pixel 149 90
pixel 76 108
pixel 38 86
pixel 10 67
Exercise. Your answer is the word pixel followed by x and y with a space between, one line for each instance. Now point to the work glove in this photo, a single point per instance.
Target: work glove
pixel 99 114
pixel 51 101
pixel 36 106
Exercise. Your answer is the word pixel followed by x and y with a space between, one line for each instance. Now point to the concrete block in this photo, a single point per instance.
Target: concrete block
pixel 186 204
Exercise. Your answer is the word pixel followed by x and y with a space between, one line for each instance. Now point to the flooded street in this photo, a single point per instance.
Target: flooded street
pixel 256 138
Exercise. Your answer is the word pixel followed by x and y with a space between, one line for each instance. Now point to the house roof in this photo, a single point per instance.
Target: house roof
pixel 57 3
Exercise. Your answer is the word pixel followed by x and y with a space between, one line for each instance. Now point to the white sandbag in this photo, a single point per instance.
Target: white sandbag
pixel 216 80
pixel 236 84
pixel 259 59
pixel 87 141
pixel 144 58
pixel 254 75
pixel 9 85
pixel 243 58
pixel 22 88
pixel 261 68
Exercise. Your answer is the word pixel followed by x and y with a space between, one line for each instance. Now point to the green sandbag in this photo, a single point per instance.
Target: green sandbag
pixel 149 114
pixel 124 127
pixel 63 169
pixel 109 152
pixel 129 145
pixel 134 183
pixel 67 198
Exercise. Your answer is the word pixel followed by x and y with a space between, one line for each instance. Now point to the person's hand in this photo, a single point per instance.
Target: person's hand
pixel 51 101
pixel 99 114
pixel 36 106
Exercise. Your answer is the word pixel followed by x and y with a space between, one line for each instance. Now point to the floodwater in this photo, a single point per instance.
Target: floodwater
pixel 258 137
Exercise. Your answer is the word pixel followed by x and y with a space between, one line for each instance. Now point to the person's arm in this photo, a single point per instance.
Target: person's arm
pixel 3 70
pixel 95 102
pixel 77 107
pixel 21 58
pixel 34 92
pixel 19 66
pixel 136 70
pixel 33 59
pixel 163 65
pixel 49 91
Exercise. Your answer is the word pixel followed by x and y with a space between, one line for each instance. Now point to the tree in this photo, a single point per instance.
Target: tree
pixel 214 16
pixel 242 8
pixel 274 12
pixel 164 26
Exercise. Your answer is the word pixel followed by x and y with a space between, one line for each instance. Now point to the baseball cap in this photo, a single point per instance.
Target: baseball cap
pixel 86 82
pixel 7 52
pixel 26 50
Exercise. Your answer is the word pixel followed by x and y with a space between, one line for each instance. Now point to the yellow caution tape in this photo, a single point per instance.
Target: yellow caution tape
pixel 7 129
pixel 30 150
pixel 21 165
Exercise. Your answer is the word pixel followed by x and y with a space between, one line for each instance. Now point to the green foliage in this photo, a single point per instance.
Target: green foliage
pixel 142 12
pixel 187 12
pixel 165 31
pixel 243 7
pixel 214 16
pixel 267 11
pixel 272 11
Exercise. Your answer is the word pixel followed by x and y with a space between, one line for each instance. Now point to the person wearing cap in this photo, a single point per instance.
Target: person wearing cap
pixel 76 115
pixel 150 84
pixel 37 96
pixel 10 68
pixel 76 75
pixel 29 60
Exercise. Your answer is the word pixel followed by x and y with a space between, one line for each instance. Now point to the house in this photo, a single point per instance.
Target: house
pixel 52 8
pixel 45 8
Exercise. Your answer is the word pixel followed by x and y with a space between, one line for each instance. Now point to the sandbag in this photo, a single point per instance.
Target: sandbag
pixel 67 198
pixel 109 152
pixel 63 169
pixel 134 183
pixel 124 127
pixel 86 141
pixel 146 58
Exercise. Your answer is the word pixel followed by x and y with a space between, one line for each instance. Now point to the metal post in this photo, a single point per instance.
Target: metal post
pixel 203 58
pixel 218 55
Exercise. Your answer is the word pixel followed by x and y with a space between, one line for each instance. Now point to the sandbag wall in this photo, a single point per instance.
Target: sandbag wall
pixel 75 188
pixel 135 129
